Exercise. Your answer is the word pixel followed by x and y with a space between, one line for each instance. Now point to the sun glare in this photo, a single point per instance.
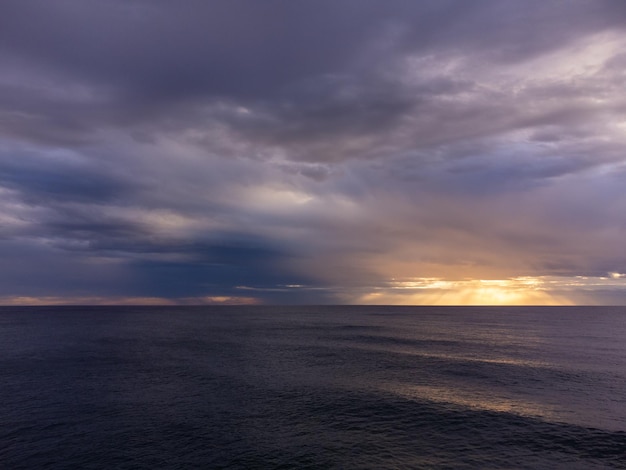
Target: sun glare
pixel 433 291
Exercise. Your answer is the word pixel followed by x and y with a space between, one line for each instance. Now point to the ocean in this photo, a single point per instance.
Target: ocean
pixel 331 387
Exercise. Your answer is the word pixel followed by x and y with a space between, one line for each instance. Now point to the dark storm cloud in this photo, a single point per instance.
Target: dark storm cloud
pixel 40 181
pixel 162 51
pixel 324 81
pixel 222 266
pixel 136 61
pixel 234 147
pixel 31 268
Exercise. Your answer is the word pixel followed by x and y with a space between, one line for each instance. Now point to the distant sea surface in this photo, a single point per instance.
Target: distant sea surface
pixel 312 387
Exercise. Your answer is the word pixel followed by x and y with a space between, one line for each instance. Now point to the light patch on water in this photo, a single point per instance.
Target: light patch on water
pixel 473 399
pixel 457 357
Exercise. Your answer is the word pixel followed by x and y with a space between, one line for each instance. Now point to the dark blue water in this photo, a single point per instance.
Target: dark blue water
pixel 312 387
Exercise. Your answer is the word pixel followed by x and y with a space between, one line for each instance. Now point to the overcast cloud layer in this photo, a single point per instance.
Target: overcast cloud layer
pixel 327 151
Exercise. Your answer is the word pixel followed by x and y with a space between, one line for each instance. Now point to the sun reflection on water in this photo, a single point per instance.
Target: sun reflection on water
pixel 473 399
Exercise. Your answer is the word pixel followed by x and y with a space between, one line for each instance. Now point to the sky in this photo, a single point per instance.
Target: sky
pixel 436 152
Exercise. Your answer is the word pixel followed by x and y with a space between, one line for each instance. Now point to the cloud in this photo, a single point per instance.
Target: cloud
pixel 225 148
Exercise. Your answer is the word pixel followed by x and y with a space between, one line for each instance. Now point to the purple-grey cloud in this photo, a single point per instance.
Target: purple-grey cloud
pixel 307 151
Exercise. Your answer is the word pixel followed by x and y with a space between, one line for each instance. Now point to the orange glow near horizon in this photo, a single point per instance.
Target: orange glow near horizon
pixel 522 290
pixel 434 291
pixel 25 301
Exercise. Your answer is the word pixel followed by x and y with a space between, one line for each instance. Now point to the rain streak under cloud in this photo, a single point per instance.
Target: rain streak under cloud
pixel 327 151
